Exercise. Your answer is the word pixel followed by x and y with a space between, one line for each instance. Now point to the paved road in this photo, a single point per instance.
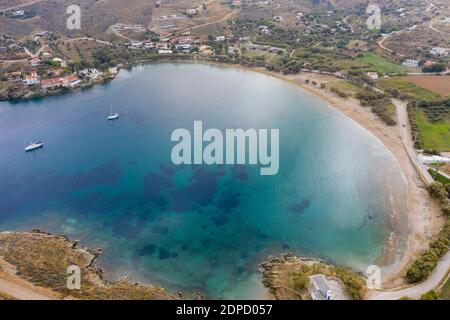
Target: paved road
pixel 435 279
pixel 21 292
pixel 405 133
pixel 441 271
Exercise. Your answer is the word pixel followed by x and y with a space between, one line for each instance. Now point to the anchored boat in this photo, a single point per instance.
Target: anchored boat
pixel 34 146
pixel 112 116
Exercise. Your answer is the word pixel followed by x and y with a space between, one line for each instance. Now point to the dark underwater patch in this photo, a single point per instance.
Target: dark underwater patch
pixel 166 170
pixel 146 250
pixel 127 226
pixel 220 221
pixel 154 186
pixel 160 230
pixel 240 172
pixel 228 200
pixel 108 173
pixel 300 207
pixel 163 254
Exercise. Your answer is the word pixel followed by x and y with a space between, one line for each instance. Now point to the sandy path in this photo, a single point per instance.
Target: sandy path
pixel 22 292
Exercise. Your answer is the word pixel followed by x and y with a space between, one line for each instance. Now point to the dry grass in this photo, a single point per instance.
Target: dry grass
pixel 43 260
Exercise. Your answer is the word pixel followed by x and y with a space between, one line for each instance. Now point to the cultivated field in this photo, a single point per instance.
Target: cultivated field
pixel 407 87
pixel 437 84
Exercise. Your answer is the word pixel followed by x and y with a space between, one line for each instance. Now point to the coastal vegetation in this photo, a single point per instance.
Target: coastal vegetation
pixel 381 105
pixel 430 123
pixel 287 277
pixel 428 259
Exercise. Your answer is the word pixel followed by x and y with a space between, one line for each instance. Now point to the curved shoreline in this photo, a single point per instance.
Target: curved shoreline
pixel 418 200
pixel 424 214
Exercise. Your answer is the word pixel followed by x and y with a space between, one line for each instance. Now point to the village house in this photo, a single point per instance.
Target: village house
pixel 206 50
pixel 19 13
pixel 31 79
pixel 264 30
pixel 236 3
pixel 220 38
pixel 60 82
pixel 92 73
pixel 14 76
pixel 165 51
pixel 411 63
pixel 52 83
pixel 35 61
pixel 57 72
pixel 184 47
pixel 136 45
pixel 149 46
pixel 61 62
pixel 184 40
pixel 72 81
pixel 191 12
pixel 373 75
pixel 439 52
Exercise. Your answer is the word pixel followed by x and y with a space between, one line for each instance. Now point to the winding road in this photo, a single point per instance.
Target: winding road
pixel 435 280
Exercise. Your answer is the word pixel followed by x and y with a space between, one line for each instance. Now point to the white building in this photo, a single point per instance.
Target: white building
pixel 92 73
pixel 32 79
pixel 411 63
pixel 264 30
pixel 220 39
pixel 439 52
pixel 191 12
pixel 432 159
pixel 136 45
pixel 373 75
pixel 165 51
pixel 19 13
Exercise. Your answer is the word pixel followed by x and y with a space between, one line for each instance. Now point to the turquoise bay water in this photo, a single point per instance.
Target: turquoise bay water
pixel 196 228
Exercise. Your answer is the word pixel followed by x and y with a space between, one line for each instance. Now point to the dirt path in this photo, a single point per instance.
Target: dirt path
pixel 214 22
pixel 22 292
pixel 20 5
pixel 408 144
pixel 436 278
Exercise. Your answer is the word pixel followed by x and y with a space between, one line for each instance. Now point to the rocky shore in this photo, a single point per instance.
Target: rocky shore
pixel 41 260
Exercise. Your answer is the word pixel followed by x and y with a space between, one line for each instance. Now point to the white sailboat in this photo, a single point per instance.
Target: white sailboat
pixel 34 146
pixel 112 116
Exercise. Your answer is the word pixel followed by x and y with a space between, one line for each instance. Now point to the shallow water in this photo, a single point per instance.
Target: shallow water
pixel 196 228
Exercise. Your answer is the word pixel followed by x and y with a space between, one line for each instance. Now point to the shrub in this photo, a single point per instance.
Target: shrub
pixel 355 284
pixel 430 295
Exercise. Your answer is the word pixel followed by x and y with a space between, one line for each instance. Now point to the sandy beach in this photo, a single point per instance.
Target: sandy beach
pixel 425 216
